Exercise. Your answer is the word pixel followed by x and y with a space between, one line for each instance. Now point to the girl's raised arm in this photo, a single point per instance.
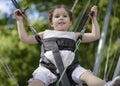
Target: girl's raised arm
pixel 95 33
pixel 24 37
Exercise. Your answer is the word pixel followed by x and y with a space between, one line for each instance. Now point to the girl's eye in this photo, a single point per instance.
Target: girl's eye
pixel 65 16
pixel 56 16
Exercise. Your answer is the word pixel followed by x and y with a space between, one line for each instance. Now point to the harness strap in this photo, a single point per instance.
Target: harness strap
pixel 62 44
pixel 38 39
pixel 60 66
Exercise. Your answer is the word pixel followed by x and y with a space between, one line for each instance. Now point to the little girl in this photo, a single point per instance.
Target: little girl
pixel 60 19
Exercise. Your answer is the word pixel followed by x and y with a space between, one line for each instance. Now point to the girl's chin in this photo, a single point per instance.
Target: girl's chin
pixel 61 29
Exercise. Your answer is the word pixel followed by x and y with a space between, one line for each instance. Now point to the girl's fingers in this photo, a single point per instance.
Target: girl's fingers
pixel 18 12
pixel 94 9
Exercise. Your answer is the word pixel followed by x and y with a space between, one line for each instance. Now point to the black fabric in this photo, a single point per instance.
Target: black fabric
pixel 37 37
pixel 63 44
pixel 79 37
pixel 50 66
pixel 70 70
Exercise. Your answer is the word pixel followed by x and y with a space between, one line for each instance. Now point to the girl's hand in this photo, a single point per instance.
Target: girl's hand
pixel 94 9
pixel 18 14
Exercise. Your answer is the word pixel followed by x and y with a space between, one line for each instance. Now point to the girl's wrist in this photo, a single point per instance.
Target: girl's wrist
pixel 19 20
pixel 94 18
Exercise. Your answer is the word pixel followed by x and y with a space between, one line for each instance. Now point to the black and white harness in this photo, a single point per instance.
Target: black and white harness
pixel 54 45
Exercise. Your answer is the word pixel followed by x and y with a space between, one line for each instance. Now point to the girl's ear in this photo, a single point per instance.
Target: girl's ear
pixel 51 24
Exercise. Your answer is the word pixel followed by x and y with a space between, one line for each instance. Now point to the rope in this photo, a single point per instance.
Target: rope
pixel 34 32
pixel 80 16
pixel 7 69
pixel 84 20
pixel 75 3
pixel 16 5
pixel 112 62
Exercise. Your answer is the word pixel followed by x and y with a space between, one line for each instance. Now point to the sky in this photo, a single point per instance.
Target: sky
pixel 5 6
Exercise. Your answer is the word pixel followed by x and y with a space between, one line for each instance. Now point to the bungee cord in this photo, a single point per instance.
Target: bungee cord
pixel 73 7
pixel 112 62
pixel 7 69
pixel 80 17
pixel 34 32
pixel 84 14
pixel 17 6
pixel 117 69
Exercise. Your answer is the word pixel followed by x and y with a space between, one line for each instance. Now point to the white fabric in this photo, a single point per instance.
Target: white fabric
pixel 78 71
pixel 59 34
pixel 47 77
pixel 67 56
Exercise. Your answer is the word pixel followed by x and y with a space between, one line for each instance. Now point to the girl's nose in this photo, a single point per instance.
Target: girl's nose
pixel 61 17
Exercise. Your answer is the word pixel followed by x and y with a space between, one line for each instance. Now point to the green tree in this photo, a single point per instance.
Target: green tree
pixel 23 59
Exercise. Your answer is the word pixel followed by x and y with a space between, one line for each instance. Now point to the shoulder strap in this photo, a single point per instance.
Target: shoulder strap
pixel 60 66
pixel 37 37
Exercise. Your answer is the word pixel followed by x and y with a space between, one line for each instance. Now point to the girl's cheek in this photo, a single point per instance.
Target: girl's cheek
pixel 55 19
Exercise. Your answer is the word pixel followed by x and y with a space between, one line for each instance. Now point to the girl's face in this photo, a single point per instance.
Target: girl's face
pixel 60 20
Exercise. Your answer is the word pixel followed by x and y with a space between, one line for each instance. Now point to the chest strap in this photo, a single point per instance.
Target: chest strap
pixel 62 44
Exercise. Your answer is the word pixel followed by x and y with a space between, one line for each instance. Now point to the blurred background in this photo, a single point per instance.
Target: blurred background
pixel 19 60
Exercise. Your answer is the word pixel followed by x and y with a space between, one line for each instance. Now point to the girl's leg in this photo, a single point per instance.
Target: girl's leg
pixel 36 83
pixel 91 80
pixel 42 77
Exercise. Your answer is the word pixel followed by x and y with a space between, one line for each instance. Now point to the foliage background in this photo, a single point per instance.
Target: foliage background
pixel 23 59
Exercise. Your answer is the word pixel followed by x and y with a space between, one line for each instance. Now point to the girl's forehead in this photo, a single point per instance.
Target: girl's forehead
pixel 60 11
